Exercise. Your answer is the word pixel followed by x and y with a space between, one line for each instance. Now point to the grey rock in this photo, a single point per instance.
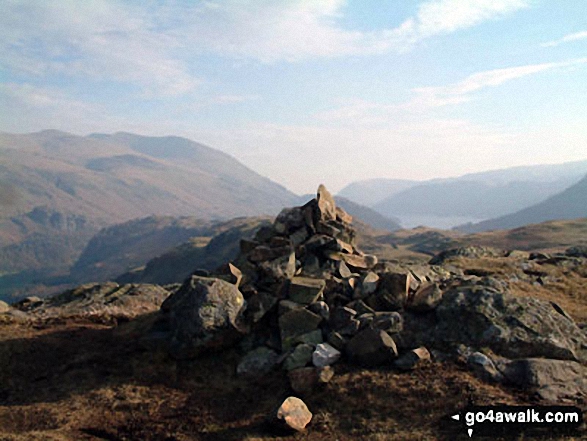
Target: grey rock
pixel 426 298
pixel 553 380
pixel 371 347
pixel 511 326
pixel 300 357
pixel 305 290
pixel 281 268
pixel 321 308
pixel 326 204
pixel 294 323
pixel 325 355
pixel 369 283
pixel 204 314
pixel 257 362
pixel 484 367
pixel 341 316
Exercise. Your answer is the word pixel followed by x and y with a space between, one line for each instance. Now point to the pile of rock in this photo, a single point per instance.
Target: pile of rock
pixel 301 296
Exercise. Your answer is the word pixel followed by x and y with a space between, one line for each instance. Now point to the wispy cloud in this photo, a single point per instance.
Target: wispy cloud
pixel 97 40
pixel 360 112
pixel 567 38
pixel 296 30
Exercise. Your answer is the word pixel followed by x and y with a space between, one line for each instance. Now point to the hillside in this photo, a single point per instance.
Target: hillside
pixel 114 178
pixel 569 204
pixel 444 203
pixel 57 190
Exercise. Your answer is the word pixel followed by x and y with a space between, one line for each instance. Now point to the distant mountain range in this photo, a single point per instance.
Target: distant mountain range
pixel 568 204
pixel 474 196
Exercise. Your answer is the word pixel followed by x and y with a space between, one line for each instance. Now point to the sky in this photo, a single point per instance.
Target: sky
pixel 307 92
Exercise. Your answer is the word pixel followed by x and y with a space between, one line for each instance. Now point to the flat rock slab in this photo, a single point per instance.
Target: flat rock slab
pixel 296 322
pixel 305 290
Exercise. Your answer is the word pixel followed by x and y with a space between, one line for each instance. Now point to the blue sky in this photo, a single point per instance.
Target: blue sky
pixel 309 91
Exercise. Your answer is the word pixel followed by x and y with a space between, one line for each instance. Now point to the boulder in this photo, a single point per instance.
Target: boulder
pixel 4 307
pixel 390 322
pixel 553 380
pixel 511 326
pixel 371 347
pixel 293 414
pixel 325 355
pixel 205 313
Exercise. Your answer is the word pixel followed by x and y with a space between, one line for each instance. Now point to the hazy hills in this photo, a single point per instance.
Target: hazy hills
pixel 474 196
pixel 57 190
pixel 569 204
pixel 113 178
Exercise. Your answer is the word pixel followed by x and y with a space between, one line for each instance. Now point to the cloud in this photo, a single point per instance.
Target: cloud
pixel 366 113
pixel 567 38
pixel 461 91
pixel 296 30
pixel 97 40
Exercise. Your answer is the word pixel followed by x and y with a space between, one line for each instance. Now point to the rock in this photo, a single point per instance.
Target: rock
pixel 281 268
pixel 426 298
pixel 484 367
pixel 321 308
pixel 300 357
pixel 258 305
pixel 263 253
pixel 28 303
pixel 231 274
pixel 325 355
pixel 305 380
pixel 371 347
pixel 305 290
pixel 511 326
pixel 299 236
pixel 390 322
pixel 553 380
pixel 293 414
pixel 341 317
pixel 369 283
pixel 336 340
pixel 4 307
pixel 343 216
pixel 392 293
pixel 287 306
pixel 257 362
pixel 359 262
pixel 294 323
pixel 312 338
pixel 412 359
pixel 326 204
pixel 204 314
pixel 288 220
pixel 344 270
pixel 470 252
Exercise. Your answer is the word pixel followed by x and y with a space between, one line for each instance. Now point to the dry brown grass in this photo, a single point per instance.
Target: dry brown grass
pixel 86 381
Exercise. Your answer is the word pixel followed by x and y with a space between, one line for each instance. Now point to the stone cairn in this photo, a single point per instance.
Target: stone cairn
pixel 301 295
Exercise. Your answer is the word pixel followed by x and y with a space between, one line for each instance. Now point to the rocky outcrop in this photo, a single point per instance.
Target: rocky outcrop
pixel 98 300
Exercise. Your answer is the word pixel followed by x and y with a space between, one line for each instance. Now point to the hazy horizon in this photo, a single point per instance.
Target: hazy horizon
pixel 307 92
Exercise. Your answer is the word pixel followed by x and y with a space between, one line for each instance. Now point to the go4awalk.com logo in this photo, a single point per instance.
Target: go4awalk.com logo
pixel 513 420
